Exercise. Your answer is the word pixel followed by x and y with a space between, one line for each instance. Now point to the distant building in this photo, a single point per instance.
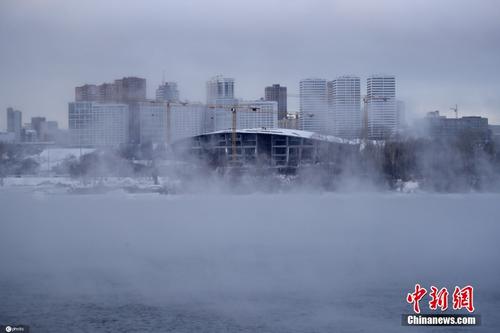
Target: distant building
pixel 381 106
pixel 440 127
pixel 249 114
pixel 127 89
pixel 167 92
pixel 162 122
pixel 152 121
pixel 108 93
pixel 87 92
pixel 187 120
pixel 290 122
pixel 93 124
pixel 130 89
pixel 344 106
pixel 401 115
pixel 51 131
pixel 314 106
pixel 495 136
pixel 278 94
pixel 14 123
pixel 220 91
pixel 38 125
pixel 7 137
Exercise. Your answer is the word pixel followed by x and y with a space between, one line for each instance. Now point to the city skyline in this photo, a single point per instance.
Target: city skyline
pixel 442 53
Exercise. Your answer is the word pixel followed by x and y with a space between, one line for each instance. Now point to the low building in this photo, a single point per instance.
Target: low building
pixel 7 137
pixel 269 148
pixel 443 128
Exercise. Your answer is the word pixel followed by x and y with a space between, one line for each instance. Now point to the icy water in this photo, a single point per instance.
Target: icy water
pixel 241 263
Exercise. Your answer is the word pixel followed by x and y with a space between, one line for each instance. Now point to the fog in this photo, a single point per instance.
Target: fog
pixel 251 263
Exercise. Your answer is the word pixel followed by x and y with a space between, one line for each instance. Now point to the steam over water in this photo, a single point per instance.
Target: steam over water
pixel 241 263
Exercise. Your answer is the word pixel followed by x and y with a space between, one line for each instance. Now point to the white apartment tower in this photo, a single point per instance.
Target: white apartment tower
pixel 381 106
pixel 93 124
pixel 314 106
pixel 220 91
pixel 344 106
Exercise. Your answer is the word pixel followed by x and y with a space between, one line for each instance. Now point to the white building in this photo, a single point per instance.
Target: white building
pixel 93 124
pixel 14 123
pixel 314 106
pixel 7 137
pixel 167 92
pixel 381 106
pixel 152 121
pixel 188 119
pixel 249 114
pixel 220 91
pixel 344 104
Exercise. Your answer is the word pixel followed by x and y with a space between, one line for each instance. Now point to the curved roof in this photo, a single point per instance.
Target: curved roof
pixel 290 132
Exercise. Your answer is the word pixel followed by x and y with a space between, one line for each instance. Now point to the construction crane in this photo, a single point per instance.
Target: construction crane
pixel 169 120
pixel 233 109
pixel 456 110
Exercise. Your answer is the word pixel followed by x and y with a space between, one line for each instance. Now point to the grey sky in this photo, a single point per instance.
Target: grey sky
pixel 442 51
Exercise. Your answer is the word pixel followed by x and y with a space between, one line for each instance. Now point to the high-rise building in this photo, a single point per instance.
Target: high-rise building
pixel 93 124
pixel 14 123
pixel 87 92
pixel 278 94
pixel 344 106
pixel 169 122
pixel 313 115
pixel 381 106
pixel 401 115
pixel 125 90
pixel 130 89
pixel 220 91
pixel 187 120
pixel 39 125
pixel 152 121
pixel 249 114
pixel 107 93
pixel 167 92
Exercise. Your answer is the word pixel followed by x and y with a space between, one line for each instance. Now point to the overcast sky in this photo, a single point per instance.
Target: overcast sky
pixel 443 52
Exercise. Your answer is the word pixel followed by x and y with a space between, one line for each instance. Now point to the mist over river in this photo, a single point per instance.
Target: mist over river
pixel 297 262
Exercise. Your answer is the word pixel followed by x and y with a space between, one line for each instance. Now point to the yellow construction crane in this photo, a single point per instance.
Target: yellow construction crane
pixel 233 109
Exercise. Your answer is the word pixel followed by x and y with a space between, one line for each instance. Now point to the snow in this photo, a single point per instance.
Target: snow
pixel 291 132
pixel 51 157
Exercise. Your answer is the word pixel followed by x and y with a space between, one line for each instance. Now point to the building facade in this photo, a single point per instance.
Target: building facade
pixel 278 94
pixel 344 106
pixel 249 114
pixel 220 91
pixel 313 115
pixel 439 127
pixel 381 106
pixel 167 92
pixel 187 120
pixel 152 121
pixel 124 90
pixel 93 124
pixel 15 123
